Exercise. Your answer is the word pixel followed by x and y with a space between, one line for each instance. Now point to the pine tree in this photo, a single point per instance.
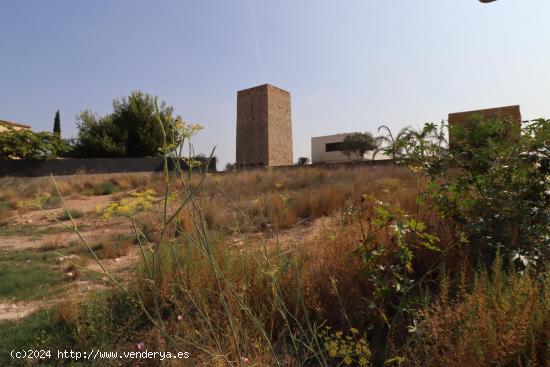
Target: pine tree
pixel 57 124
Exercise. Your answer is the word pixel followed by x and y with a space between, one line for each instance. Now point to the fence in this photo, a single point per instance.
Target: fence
pixel 69 166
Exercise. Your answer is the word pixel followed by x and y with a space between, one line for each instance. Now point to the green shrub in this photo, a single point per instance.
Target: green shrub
pixel 494 184
pixel 26 144
pixel 7 205
pixel 108 188
pixel 74 213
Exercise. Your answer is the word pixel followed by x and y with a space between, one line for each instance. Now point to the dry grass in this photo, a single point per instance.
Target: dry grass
pixel 79 184
pixel 8 197
pixel 323 278
pixel 5 215
pixel 68 310
pixel 50 245
pixel 8 202
pixel 281 198
pixel 227 299
pixel 75 266
pixel 503 321
pixel 109 247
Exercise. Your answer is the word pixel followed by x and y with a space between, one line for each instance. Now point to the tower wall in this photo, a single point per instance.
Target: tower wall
pixel 280 127
pixel 264 127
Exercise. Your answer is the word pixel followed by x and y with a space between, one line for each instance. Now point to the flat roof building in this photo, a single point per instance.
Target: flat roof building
pixel 327 149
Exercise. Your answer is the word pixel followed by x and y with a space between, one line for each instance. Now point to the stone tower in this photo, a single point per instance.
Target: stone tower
pixel 264 127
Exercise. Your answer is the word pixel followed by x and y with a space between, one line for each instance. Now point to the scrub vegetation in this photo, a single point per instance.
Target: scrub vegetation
pixel 440 260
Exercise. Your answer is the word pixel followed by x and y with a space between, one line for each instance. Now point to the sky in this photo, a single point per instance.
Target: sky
pixel 349 65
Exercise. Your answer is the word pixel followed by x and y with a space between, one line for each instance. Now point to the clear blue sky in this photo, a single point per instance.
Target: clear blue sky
pixel 349 65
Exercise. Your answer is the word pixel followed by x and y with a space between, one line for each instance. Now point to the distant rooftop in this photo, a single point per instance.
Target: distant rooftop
pixel 339 135
pixel 5 122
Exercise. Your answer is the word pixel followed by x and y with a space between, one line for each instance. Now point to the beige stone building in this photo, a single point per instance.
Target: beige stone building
pixel 264 127
pixel 6 125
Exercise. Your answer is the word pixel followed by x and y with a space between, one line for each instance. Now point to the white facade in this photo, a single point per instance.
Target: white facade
pixel 324 149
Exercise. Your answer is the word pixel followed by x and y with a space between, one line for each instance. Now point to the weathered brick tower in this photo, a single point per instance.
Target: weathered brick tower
pixel 264 127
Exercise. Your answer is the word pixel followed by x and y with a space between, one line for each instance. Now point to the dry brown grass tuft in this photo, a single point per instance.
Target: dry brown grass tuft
pixel 75 266
pixel 8 203
pixel 5 215
pixel 110 247
pixel 8 197
pixel 50 245
pixel 149 224
pixel 332 267
pixel 67 310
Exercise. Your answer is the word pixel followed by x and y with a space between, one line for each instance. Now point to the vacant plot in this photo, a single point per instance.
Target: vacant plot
pixel 278 267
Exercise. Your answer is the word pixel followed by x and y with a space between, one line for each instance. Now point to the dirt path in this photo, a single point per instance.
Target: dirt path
pixel 84 204
pixel 12 311
pixel 91 231
pixel 94 228
pixel 54 236
pixel 90 225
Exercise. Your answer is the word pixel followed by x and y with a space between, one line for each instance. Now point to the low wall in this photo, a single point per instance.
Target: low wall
pixel 331 165
pixel 69 166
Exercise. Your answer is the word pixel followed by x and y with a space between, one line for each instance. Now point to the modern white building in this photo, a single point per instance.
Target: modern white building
pixel 326 149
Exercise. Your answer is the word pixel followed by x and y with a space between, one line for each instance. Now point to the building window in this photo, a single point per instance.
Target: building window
pixel 333 147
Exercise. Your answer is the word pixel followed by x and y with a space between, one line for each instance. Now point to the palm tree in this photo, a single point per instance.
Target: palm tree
pixel 389 140
pixel 433 132
pixel 400 144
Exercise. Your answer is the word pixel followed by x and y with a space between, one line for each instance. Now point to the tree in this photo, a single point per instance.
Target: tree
pixel 99 137
pixel 57 124
pixel 230 167
pixel 357 144
pixel 429 141
pixel 135 116
pixel 25 144
pixel 389 140
pixel 131 130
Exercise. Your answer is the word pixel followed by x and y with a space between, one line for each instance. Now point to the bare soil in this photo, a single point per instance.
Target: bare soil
pixel 93 227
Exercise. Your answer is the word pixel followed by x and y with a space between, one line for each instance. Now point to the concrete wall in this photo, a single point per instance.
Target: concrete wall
pixel 58 167
pixel 320 155
pixel 264 127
